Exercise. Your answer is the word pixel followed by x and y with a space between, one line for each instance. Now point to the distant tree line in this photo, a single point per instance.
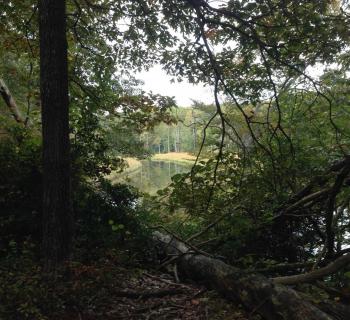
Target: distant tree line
pixel 185 134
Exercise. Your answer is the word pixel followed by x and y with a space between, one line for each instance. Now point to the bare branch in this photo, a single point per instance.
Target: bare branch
pixel 11 103
pixel 332 268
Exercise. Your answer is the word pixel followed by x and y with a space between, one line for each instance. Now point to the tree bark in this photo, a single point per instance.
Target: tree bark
pixel 337 310
pixel 57 218
pixel 257 293
pixel 330 232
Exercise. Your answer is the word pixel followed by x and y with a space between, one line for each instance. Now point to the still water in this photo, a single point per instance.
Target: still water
pixel 154 175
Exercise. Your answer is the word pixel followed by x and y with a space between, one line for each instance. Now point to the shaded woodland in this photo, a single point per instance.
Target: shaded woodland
pixel 259 226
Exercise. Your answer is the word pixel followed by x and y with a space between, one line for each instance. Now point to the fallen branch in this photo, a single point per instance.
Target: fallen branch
pixel 306 199
pixel 11 103
pixel 306 196
pixel 333 292
pixel 257 293
pixel 186 242
pixel 332 268
pixel 284 267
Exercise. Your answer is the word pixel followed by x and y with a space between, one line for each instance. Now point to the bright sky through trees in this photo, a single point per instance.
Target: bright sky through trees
pixel 157 81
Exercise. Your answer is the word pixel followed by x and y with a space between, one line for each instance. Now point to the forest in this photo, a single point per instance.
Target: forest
pixel 253 221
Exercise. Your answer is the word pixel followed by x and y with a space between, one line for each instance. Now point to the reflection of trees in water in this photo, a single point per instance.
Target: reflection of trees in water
pixel 155 175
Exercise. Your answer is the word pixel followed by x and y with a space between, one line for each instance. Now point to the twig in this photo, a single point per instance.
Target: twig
pixel 149 293
pixel 176 276
pixel 211 225
pixel 199 293
pixel 169 282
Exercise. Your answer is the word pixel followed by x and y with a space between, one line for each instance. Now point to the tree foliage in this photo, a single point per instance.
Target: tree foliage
pixel 270 184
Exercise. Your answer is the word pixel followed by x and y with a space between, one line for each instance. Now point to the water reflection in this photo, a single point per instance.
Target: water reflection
pixel 154 175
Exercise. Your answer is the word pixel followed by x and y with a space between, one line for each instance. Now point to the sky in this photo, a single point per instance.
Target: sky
pixel 157 81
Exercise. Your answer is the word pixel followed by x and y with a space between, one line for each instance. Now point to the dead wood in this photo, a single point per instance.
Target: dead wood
pixel 338 311
pixel 11 103
pixel 257 293
pixel 314 275
pixel 149 293
pixel 283 267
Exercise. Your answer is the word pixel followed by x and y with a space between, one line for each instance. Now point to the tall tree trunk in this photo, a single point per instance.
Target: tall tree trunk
pixel 168 139
pixel 194 130
pixel 178 139
pixel 57 217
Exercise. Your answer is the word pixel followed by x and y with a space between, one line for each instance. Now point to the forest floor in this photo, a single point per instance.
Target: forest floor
pixel 127 292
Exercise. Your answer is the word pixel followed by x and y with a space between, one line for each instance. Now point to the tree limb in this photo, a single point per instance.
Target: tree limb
pixel 11 103
pixel 332 268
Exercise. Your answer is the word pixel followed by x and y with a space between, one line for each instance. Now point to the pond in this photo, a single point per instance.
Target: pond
pixel 153 175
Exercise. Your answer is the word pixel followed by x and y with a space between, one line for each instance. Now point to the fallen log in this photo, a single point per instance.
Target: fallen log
pixel 257 293
pixel 337 310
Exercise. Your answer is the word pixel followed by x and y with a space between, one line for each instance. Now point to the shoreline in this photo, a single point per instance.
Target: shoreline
pixel 179 157
pixel 135 164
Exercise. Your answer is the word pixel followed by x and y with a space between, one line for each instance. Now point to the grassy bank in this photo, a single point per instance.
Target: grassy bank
pixel 182 157
pixel 133 165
